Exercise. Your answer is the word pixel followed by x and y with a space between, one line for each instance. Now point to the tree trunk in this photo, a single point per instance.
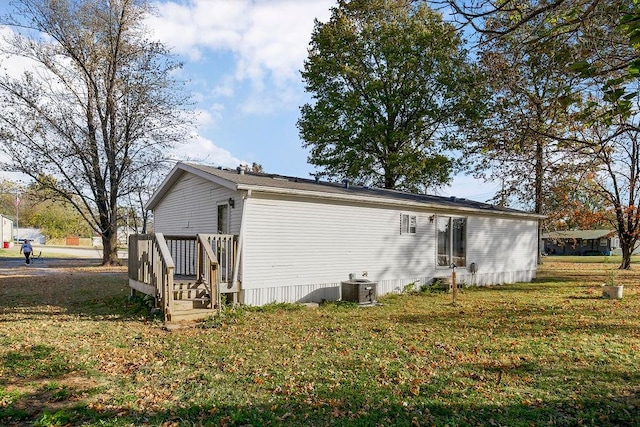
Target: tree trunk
pixel 627 250
pixel 110 248
pixel 539 188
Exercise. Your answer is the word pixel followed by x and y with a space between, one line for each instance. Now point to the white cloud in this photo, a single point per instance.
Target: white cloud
pixel 246 54
pixel 226 88
pixel 210 117
pixel 268 37
pixel 14 65
pixel 203 150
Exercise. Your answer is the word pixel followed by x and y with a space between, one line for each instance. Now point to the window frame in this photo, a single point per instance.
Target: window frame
pixel 407 228
pixel 227 219
pixel 450 243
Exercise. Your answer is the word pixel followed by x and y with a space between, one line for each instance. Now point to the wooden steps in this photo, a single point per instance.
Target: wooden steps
pixel 191 300
pixel 188 289
pixel 191 314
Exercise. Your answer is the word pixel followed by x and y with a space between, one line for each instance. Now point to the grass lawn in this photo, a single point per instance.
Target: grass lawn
pixel 74 350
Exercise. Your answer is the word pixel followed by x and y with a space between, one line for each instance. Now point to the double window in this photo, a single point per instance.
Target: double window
pixel 408 224
pixel 452 241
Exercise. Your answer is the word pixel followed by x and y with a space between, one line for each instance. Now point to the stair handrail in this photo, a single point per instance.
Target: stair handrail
pixel 212 270
pixel 168 268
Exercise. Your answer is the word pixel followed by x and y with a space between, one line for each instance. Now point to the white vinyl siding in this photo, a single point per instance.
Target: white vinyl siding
pixel 298 250
pixel 504 249
pixel 191 207
pixel 289 242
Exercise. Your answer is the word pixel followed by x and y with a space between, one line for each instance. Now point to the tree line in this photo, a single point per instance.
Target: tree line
pixel 31 207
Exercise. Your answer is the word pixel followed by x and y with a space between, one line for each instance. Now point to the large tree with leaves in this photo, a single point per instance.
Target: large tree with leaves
pixel 98 108
pixel 520 145
pixel 517 143
pixel 390 83
pixel 592 46
pixel 608 33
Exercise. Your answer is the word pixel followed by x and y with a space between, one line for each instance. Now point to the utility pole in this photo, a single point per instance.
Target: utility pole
pixel 17 218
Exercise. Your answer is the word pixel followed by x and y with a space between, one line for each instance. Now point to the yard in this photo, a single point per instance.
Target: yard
pixel 75 350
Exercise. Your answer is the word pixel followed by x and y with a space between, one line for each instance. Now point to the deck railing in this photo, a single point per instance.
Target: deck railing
pixel 209 269
pixel 183 251
pixel 150 263
pixel 154 260
pixel 224 248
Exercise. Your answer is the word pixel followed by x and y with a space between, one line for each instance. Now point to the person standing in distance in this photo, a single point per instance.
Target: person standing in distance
pixel 26 250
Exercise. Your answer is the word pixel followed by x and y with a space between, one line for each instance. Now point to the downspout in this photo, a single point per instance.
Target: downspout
pixel 236 266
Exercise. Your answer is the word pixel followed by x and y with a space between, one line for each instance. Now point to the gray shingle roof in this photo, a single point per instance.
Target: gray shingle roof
pixel 577 234
pixel 273 182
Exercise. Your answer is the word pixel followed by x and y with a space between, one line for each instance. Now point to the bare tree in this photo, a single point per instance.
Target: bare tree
pixel 616 149
pixel 97 110
pixel 142 189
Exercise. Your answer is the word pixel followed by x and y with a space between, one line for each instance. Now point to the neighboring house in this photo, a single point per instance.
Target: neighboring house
pixel 124 231
pixel 33 234
pixel 297 239
pixel 6 231
pixel 580 242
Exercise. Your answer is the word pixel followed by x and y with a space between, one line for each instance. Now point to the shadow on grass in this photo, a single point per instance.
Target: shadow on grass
pixel 75 287
pixel 35 362
pixel 553 279
pixel 341 408
pixel 525 318
pixel 578 297
pixel 537 285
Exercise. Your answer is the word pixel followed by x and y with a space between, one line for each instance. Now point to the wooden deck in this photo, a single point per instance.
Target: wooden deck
pixel 187 275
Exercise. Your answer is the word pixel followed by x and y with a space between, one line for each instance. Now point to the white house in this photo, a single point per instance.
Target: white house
pixel 298 239
pixel 6 231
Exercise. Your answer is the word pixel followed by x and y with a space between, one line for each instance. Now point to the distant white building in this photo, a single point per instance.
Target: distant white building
pixel 6 231
pixel 33 234
pixel 123 236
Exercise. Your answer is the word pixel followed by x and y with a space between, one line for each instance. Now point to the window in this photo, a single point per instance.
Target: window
pixel 452 241
pixel 615 243
pixel 408 224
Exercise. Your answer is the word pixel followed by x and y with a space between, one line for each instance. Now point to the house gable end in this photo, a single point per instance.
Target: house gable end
pixel 174 176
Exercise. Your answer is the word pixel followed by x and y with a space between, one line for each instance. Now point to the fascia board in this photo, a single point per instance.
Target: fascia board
pixel 383 201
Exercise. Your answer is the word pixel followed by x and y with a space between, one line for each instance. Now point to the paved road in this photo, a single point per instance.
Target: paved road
pixel 75 252
pixel 57 251
pixel 52 257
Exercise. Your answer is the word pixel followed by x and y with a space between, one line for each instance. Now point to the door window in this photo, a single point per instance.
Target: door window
pixel 452 241
pixel 223 219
